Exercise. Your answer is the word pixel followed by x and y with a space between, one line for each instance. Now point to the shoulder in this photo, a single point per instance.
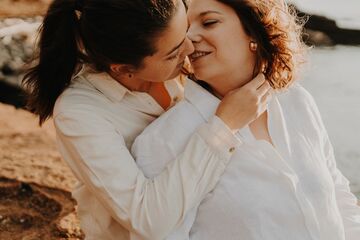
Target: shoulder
pixel 78 95
pixel 297 98
pixel 296 94
pixel 80 109
pixel 300 107
pixel 82 100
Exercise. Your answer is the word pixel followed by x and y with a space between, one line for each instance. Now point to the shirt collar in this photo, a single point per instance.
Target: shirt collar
pixel 204 102
pixel 104 83
pixel 115 91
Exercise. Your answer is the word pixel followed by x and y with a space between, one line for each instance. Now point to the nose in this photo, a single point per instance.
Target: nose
pixel 188 48
pixel 193 34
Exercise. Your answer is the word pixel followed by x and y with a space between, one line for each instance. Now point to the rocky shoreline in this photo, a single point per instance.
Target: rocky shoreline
pixel 322 31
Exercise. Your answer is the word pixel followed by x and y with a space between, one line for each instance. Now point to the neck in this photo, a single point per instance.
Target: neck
pixel 156 90
pixel 133 84
pixel 222 86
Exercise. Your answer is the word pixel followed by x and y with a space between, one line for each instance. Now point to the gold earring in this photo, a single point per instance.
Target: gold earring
pixel 253 46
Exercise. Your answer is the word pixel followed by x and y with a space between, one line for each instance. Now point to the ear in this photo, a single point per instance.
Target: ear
pixel 120 69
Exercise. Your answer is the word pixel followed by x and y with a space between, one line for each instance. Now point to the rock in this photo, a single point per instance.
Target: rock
pixel 322 31
pixel 313 37
pixel 17 41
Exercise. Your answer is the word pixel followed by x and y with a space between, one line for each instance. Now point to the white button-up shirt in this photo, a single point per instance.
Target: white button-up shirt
pixel 292 190
pixel 97 119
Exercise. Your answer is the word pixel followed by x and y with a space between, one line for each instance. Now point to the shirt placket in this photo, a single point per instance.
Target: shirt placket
pixel 308 211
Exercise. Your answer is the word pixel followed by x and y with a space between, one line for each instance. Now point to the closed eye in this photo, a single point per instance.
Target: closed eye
pixel 209 23
pixel 174 56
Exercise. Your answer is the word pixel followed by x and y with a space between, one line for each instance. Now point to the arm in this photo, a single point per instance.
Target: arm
pixel 153 151
pixel 150 208
pixel 346 201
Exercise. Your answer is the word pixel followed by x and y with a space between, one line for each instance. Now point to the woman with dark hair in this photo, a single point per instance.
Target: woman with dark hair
pixel 282 182
pixel 106 69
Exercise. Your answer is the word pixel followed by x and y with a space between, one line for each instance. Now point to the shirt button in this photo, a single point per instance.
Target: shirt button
pixel 232 149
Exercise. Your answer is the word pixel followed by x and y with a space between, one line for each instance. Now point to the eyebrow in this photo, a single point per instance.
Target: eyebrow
pixel 208 12
pixel 176 47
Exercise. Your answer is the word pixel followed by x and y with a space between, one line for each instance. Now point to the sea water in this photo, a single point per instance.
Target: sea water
pixel 332 75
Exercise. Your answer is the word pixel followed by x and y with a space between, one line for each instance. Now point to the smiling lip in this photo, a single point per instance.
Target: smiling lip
pixel 198 54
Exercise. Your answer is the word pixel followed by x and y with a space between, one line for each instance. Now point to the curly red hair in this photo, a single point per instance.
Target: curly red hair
pixel 277 31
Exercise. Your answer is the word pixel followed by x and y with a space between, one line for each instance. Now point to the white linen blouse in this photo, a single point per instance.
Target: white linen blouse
pixel 96 120
pixel 292 190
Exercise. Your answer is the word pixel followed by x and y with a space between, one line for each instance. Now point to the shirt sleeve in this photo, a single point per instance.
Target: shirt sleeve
pixel 150 208
pixel 346 200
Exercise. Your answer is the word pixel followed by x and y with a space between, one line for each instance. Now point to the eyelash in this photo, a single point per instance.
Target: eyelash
pixel 209 23
pixel 173 57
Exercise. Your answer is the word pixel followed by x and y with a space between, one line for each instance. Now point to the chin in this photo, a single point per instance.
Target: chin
pixel 203 74
pixel 174 74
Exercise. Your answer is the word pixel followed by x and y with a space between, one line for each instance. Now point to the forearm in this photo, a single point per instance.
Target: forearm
pixel 150 208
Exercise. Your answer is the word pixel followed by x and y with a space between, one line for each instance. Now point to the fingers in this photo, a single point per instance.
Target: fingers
pixel 264 88
pixel 256 82
pixel 266 97
pixel 263 106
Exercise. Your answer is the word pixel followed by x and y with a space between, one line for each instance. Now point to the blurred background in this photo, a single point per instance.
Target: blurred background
pixel 332 75
pixel 31 170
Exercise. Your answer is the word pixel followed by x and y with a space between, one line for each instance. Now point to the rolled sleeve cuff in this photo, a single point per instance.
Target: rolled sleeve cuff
pixel 220 137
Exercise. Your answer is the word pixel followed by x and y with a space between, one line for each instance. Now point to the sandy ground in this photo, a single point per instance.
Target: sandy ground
pixel 35 184
pixel 23 8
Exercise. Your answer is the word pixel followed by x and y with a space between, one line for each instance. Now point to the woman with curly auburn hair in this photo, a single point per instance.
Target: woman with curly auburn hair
pixel 282 182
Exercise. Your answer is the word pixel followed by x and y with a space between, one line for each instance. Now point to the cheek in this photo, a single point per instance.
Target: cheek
pixel 162 68
pixel 152 73
pixel 241 54
pixel 168 68
pixel 165 70
pixel 229 47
